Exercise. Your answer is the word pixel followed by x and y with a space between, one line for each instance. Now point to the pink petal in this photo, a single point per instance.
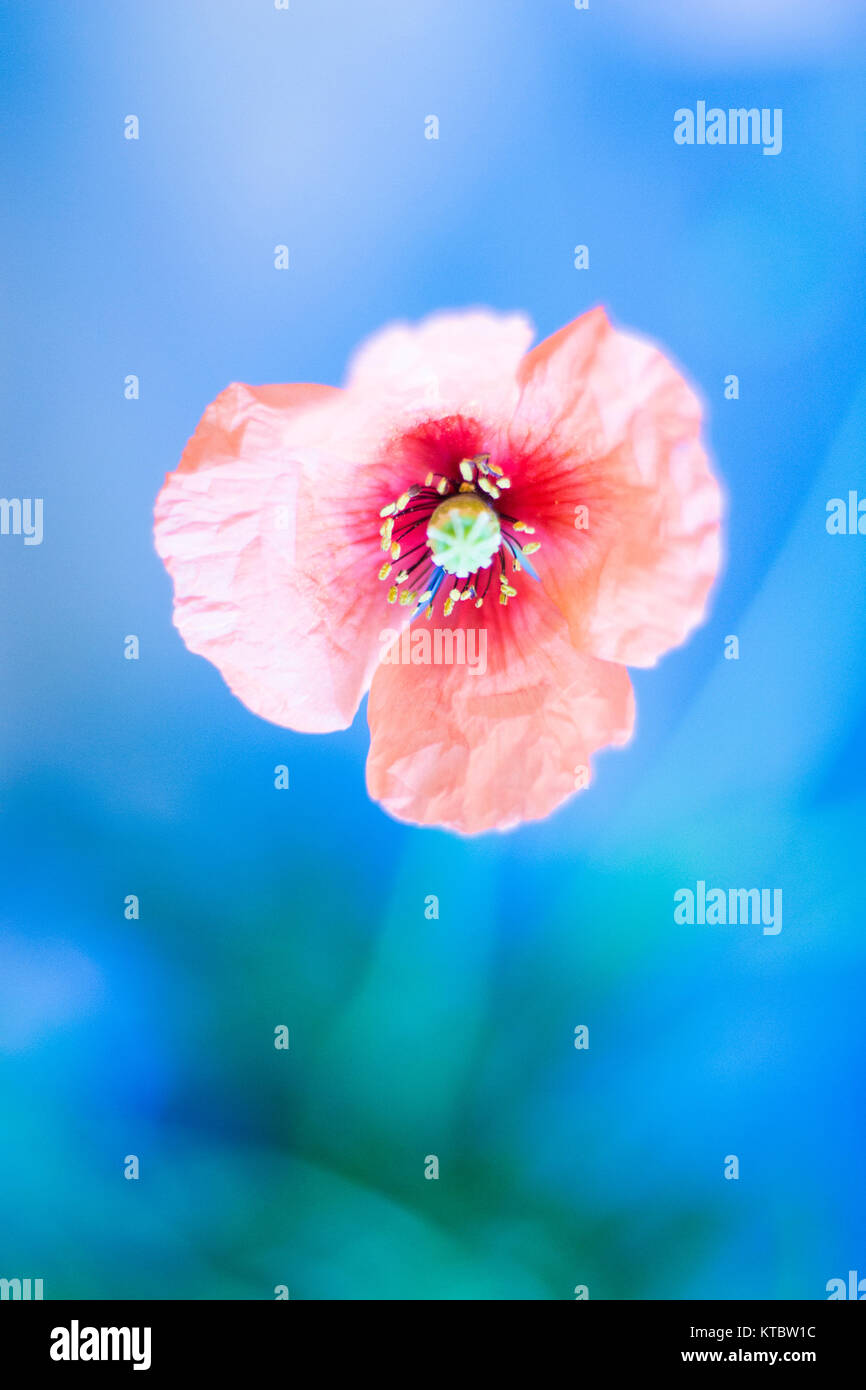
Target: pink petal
pixel 274 551
pixel 460 363
pixel 485 751
pixel 608 423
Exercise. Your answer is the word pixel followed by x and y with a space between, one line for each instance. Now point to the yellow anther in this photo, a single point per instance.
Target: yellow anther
pixel 426 596
pixel 482 462
pixel 401 576
pixel 428 612
pixel 466 487
pixel 403 501
pixel 407 596
pixel 503 597
pixel 454 595
pixel 392 594
pixel 389 510
pixel 428 480
pixel 442 486
pixel 478 602
pixel 494 468
pixel 532 547
pixel 395 551
pixel 522 526
pixel 504 482
pixel 385 570
pixel 488 487
pixel 448 606
pixel 466 470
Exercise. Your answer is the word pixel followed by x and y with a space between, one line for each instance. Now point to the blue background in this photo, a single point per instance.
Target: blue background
pixel 409 1037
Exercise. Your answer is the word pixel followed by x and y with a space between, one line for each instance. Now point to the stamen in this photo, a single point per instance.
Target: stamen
pixel 486 587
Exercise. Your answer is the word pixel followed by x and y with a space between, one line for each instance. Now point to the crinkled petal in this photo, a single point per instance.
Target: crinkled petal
pixel 618 485
pixel 486 749
pixel 273 548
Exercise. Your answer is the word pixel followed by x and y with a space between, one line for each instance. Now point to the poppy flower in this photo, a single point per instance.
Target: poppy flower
pixel 551 508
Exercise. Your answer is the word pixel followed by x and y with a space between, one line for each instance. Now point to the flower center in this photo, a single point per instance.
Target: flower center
pixel 445 527
pixel 464 534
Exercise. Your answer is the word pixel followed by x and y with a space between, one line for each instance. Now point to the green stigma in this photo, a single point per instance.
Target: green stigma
pixel 463 534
